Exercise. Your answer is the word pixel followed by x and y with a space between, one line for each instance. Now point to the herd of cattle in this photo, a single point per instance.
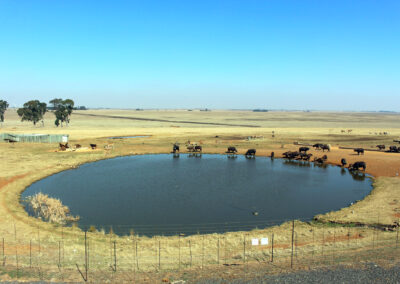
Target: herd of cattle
pixel 64 147
pixel 301 154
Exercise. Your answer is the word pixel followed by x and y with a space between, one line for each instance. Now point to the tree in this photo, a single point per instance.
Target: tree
pixel 55 103
pixel 3 107
pixel 63 112
pixel 33 111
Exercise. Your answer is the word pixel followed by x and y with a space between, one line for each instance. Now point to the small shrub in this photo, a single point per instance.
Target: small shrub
pixel 50 209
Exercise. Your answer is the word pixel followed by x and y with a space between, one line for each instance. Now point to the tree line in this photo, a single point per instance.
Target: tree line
pixel 34 111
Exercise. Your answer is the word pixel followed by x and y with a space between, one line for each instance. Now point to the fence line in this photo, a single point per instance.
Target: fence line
pixel 89 258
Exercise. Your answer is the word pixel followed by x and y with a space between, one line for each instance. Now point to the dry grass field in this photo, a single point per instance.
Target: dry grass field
pixel 24 163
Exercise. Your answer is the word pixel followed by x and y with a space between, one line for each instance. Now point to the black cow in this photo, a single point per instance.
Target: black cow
pixel 317 146
pixel 232 150
pixel 290 154
pixel 324 157
pixel 344 162
pixel 359 151
pixel 272 155
pixel 393 149
pixel 175 148
pixel 93 146
pixel 357 165
pixel 325 147
pixel 381 147
pixel 319 160
pixel 305 157
pixel 198 149
pixel 251 152
pixel 303 149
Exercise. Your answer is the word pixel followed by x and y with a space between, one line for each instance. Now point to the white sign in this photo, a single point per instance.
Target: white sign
pixel 264 241
pixel 254 242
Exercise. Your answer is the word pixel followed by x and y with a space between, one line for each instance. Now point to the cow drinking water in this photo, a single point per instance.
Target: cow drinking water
pixel 250 153
pixel 357 165
pixel 231 150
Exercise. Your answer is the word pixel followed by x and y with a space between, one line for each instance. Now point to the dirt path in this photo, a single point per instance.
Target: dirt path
pixel 166 120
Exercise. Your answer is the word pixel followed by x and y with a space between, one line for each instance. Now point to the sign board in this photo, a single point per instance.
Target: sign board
pixel 254 242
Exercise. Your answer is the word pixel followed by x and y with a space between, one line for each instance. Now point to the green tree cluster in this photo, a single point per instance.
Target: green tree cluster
pixel 33 111
pixel 3 107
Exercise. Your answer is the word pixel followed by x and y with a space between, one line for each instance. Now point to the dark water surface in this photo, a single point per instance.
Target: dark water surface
pixel 160 194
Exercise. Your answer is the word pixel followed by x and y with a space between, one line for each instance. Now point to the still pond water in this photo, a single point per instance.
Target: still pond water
pixel 162 194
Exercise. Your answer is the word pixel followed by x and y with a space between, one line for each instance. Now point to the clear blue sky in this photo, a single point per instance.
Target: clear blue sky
pixel 328 55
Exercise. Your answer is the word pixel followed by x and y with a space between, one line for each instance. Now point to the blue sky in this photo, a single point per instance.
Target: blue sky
pixel 327 55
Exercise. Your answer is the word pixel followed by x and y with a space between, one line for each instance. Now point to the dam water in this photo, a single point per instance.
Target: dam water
pixel 167 195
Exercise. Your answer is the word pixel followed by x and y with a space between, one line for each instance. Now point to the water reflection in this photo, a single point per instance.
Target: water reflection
pixel 297 163
pixel 194 155
pixel 356 175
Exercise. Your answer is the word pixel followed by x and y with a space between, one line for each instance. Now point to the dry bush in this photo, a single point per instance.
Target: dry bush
pixel 50 209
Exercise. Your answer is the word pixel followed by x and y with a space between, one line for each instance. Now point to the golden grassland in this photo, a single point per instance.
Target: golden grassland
pixel 24 163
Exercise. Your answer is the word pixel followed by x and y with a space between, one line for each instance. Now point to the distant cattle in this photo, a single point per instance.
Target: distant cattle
pixel 349 130
pixel 175 148
pixel 63 147
pixel 232 150
pixel 343 162
pixel 394 149
pixel 317 146
pixel 272 155
pixel 359 151
pixel 197 148
pixel 77 146
pixel 325 147
pixel 290 155
pixel 303 149
pixel 357 165
pixel 319 160
pixel 93 146
pixel 381 147
pixel 251 153
pixel 190 146
pixel 305 157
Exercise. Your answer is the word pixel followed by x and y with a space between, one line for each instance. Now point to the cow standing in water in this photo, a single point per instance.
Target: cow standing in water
pixel 343 162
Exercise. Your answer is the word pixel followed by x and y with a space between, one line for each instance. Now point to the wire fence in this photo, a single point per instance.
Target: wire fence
pixel 91 256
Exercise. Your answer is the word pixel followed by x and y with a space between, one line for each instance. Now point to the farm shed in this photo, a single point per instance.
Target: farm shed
pixel 35 138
